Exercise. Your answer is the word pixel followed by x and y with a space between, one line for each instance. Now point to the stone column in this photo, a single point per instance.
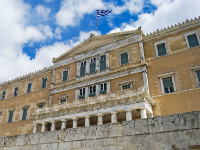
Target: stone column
pixel 75 123
pixel 35 128
pixel 113 117
pixel 78 69
pixel 97 63
pixel 76 94
pixel 100 119
pixel 107 60
pixel 143 113
pixel 50 99
pixel 145 80
pixel 86 91
pixel 63 126
pixel 97 89
pixel 87 121
pixel 129 115
pixel 52 125
pixel 87 70
pixel 43 127
pixel 141 52
pixel 108 87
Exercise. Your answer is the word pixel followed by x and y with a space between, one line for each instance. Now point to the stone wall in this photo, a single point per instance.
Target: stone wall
pixel 174 132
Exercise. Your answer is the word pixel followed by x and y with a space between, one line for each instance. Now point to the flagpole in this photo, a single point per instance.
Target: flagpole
pixel 96 22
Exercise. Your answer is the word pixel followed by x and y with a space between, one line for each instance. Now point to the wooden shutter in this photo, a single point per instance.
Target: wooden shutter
pixel 161 49
pixel 44 82
pixel 29 88
pixel 24 115
pixel 124 58
pixel 10 116
pixel 92 67
pixel 103 62
pixel 65 75
pixel 192 40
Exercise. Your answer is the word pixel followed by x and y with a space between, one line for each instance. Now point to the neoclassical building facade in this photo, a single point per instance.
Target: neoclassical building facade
pixel 107 79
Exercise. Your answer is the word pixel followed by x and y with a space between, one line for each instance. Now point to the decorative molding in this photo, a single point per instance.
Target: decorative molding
pixel 195 68
pixel 165 75
pixel 126 82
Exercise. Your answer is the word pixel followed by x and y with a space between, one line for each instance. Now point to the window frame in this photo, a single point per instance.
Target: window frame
pixel 12 110
pixel 67 69
pixel 14 91
pixel 46 77
pixel 27 87
pixel 161 42
pixel 198 82
pixel 131 85
pixel 61 98
pixel 190 33
pixel 25 107
pixel 171 74
pixel 41 103
pixel 119 56
pixel 4 95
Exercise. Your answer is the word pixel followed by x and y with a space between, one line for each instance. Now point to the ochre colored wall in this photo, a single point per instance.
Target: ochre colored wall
pixel 137 82
pixel 70 96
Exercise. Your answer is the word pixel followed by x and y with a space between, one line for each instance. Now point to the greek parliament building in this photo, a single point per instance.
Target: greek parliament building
pixel 108 79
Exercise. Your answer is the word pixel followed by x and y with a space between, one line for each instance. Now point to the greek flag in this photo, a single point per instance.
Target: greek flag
pixel 103 12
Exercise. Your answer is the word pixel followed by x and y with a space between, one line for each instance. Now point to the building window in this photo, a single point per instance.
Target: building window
pixel 3 95
pixel 41 105
pixel 82 93
pixel 92 65
pixel 62 101
pixel 15 91
pixel 1 114
pixel 124 58
pixel 92 91
pixel 82 68
pixel 44 82
pixel 198 77
pixel 192 39
pixel 65 75
pixel 24 113
pixel 161 49
pixel 128 86
pixel 103 62
pixel 10 117
pixel 103 87
pixel 168 86
pixel 29 86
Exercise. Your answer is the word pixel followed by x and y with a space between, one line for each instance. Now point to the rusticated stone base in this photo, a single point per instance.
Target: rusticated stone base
pixel 174 132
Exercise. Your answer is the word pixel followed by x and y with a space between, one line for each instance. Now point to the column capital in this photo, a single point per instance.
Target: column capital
pixel 53 121
pixel 100 114
pixel 87 116
pixel 63 120
pixel 43 123
pixel 113 112
pixel 75 118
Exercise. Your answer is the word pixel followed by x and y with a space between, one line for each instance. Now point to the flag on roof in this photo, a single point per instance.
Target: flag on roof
pixel 103 12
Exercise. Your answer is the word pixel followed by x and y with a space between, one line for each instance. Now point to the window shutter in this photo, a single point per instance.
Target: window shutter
pixel 65 75
pixel 161 49
pixel 193 41
pixel 82 70
pixel 44 81
pixel 124 58
pixel 10 116
pixel 198 76
pixel 92 67
pixel 29 88
pixel 24 115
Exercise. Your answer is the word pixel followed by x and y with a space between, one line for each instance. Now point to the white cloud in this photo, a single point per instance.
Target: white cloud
pixel 72 11
pixel 43 11
pixel 166 14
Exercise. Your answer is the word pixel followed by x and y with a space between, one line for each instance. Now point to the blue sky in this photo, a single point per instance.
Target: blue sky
pixel 35 31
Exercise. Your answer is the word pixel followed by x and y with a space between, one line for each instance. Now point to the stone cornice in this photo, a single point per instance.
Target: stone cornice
pixel 173 28
pixel 29 75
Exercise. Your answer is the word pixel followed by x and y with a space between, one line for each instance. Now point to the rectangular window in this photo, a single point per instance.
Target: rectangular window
pixel 65 75
pixel 1 114
pixel 103 62
pixel 10 117
pixel 3 95
pixel 128 86
pixel 198 77
pixel 161 49
pixel 124 58
pixel 82 68
pixel 41 105
pixel 93 65
pixel 62 100
pixel 24 113
pixel 92 91
pixel 29 85
pixel 44 83
pixel 15 91
pixel 193 40
pixel 82 93
pixel 168 86
pixel 103 89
